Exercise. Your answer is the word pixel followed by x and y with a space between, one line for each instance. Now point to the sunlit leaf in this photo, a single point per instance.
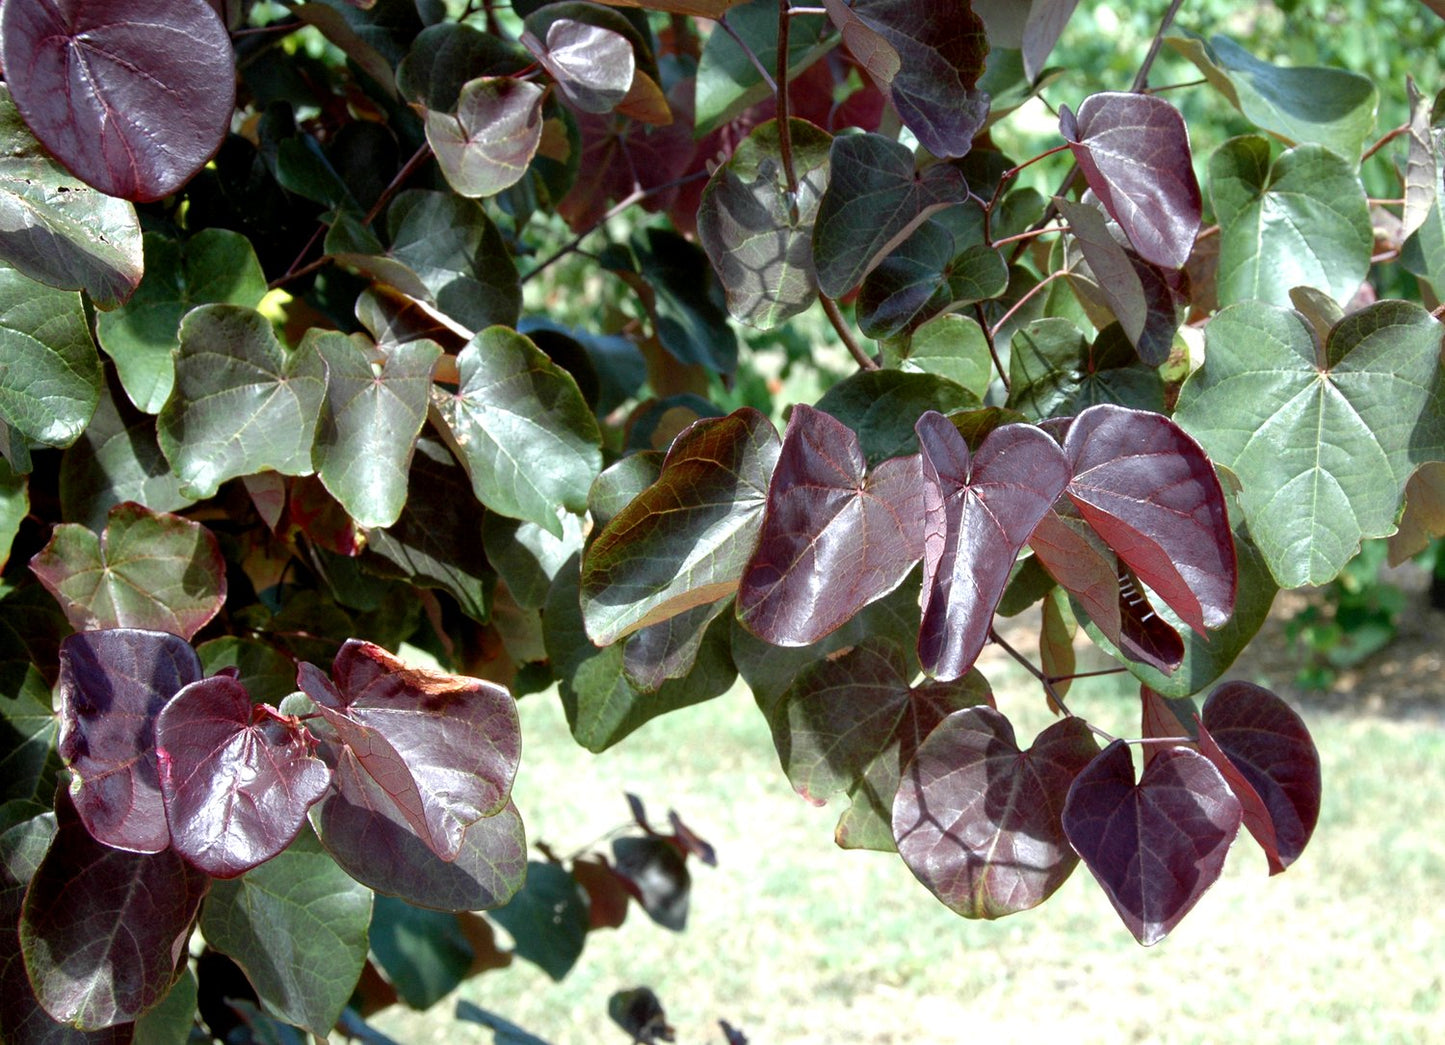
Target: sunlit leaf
pixel 592 65
pixel 979 822
pixel 55 228
pixel 243 402
pixel 133 103
pixel 146 570
pixel 831 541
pixel 1328 435
pixel 486 145
pixel 951 346
pixel 297 926
pixel 1156 845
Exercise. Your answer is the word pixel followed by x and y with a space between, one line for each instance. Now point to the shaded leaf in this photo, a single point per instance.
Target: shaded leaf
pixel 55 228
pixel 1328 106
pixel 1424 517
pixel 157 93
pixel 759 237
pixel 268 674
pixel 14 507
pixel 50 377
pixel 979 822
pixel 521 428
pixel 1053 372
pixel 874 200
pixel 443 747
pixel 1134 152
pixel 979 510
pixel 657 872
pixel 1328 435
pixel 237 779
pixel 882 406
pixel 486 145
pixel 443 57
pixel 297 925
pixel 526 556
pixel 547 919
pixel 214 265
pixel 936 269
pixel 686 299
pixel 1266 754
pixel 146 570
pixel 28 728
pixel 91 910
pixel 423 953
pixel 243 402
pixel 831 541
pixel 1156 845
pixel 1422 162
pixel 668 649
pixel 727 80
pixel 928 56
pixel 1300 220
pixel 112 685
pixel 686 539
pixel 370 418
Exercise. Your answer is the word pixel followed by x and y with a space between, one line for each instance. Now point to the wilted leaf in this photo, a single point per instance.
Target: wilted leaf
pixel 979 822
pixel 1154 846
pixel 831 541
pixel 57 229
pixel 686 539
pixel 237 779
pixel 979 510
pixel 521 428
pixel 158 91
pixel 1329 434
pixel 112 685
pixel 146 570
pixel 243 401
pixel 486 145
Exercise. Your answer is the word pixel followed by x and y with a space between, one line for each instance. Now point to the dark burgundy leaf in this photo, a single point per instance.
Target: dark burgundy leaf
pixel 112 686
pixel 134 96
pixel 979 511
pixel 1134 152
pixel 608 894
pixel 658 872
pixel 978 821
pixel 1148 490
pixel 1160 718
pixel 367 835
pixel 832 541
pixel 1077 557
pixel 104 931
pixel 443 747
pixel 1157 845
pixel 237 778
pixel 1266 754
pixel 928 56
pixel 689 841
pixel 639 1012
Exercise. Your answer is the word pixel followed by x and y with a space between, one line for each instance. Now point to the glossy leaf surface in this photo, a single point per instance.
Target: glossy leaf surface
pixel 591 65
pixel 146 570
pixel 55 228
pixel 875 198
pixel 237 780
pixel 979 510
pixel 758 239
pixel 486 145
pixel 1329 435
pixel 832 540
pixel 979 822
pixel 133 100
pixel 112 686
pixel 91 910
pixel 1266 754
pixel 443 747
pixel 1156 845
pixel 1134 152
pixel 687 538
pixel 297 925
pixel 243 401
pixel 1300 220
pixel 521 428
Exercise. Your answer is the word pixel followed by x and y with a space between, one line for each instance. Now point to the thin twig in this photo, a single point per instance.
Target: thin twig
pixel 408 169
pixel 830 308
pixel 637 195
pixel 1043 680
pixel 295 269
pixel 752 55
pixel 1141 79
pixel 1013 309
pixel 1386 139
pixel 992 348
pixel 780 91
pixel 1031 234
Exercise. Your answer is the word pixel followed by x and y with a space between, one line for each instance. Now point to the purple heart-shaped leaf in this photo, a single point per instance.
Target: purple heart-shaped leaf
pixel 112 686
pixel 1154 846
pixel 102 928
pixel 134 96
pixel 237 778
pixel 1148 489
pixel 832 541
pixel 443 747
pixel 979 510
pixel 978 821
pixel 1265 752
pixel 1134 152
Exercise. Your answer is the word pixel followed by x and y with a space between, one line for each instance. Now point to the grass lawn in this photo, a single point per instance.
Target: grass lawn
pixel 792 940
